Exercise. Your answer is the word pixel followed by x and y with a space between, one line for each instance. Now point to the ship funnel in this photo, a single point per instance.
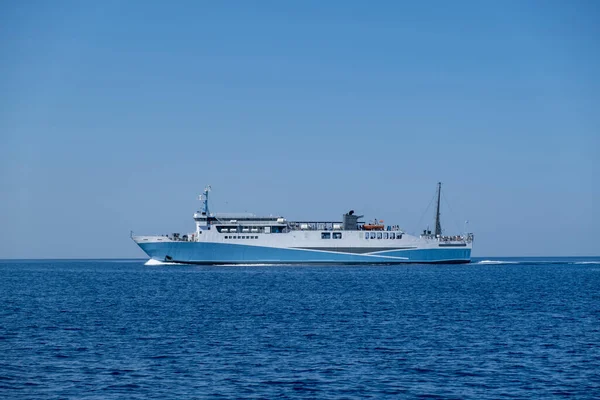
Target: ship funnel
pixel 350 221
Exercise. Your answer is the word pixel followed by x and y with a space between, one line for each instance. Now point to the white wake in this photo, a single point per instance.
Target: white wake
pixel 153 262
pixel 496 262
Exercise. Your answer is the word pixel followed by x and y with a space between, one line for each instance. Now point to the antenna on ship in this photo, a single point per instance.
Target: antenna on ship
pixel 438 225
pixel 204 198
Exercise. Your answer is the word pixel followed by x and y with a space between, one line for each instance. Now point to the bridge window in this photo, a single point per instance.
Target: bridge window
pixel 337 235
pixel 399 236
pixel 325 235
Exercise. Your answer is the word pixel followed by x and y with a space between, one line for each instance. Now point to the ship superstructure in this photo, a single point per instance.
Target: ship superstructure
pixel 249 239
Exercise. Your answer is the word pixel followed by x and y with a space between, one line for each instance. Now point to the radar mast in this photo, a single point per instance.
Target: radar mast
pixel 438 225
pixel 204 198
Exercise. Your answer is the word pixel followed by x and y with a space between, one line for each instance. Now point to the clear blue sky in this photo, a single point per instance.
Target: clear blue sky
pixel 114 115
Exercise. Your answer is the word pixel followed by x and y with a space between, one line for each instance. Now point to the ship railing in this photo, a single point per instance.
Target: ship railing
pixel 229 224
pixel 314 225
pixel 334 226
pixel 172 237
pixel 468 238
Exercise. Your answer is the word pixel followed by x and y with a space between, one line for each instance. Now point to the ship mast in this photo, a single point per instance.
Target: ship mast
pixel 204 199
pixel 205 205
pixel 438 225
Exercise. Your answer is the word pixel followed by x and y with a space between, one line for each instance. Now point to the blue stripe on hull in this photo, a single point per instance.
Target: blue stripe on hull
pixel 225 253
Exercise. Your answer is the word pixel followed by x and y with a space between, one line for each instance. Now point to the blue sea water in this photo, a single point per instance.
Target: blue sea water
pixel 509 328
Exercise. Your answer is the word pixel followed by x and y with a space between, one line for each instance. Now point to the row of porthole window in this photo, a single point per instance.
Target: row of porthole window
pixel 241 237
pixel 383 235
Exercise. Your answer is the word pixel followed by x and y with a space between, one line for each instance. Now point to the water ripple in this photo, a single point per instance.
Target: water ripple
pixel 507 329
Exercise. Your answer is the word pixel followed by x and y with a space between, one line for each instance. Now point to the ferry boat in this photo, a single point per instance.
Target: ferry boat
pixel 235 239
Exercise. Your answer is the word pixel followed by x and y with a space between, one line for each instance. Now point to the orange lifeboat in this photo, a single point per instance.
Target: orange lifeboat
pixel 372 227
